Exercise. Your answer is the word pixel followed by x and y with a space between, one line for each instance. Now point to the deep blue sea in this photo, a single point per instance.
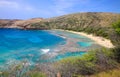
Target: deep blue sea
pixel 35 46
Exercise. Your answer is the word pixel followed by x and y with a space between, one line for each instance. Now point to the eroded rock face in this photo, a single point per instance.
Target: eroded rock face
pixel 22 24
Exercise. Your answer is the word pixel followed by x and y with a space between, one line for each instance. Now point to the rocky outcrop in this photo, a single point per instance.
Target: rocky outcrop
pixel 22 24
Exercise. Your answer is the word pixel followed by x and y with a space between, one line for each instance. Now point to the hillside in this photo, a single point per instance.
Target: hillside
pixel 71 21
pixel 15 23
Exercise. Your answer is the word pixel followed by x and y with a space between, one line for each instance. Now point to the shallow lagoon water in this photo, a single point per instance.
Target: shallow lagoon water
pixel 31 45
pixel 85 44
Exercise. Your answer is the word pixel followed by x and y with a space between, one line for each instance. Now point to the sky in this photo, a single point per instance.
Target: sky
pixel 25 9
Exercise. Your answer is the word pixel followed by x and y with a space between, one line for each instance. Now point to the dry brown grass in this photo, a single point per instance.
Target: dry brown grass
pixel 111 73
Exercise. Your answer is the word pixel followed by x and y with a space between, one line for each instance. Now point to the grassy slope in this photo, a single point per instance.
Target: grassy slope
pixel 111 73
pixel 87 19
pixel 96 23
pixel 80 20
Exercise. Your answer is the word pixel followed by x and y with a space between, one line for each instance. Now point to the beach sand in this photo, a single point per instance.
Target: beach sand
pixel 99 40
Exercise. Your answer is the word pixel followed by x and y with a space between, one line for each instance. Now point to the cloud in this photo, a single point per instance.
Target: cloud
pixel 61 6
pixel 15 5
pixel 27 9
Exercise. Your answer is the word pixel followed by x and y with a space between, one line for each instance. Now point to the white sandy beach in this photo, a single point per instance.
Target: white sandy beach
pixel 99 40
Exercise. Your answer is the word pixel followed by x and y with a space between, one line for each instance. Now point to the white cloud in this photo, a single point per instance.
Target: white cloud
pixel 15 5
pixel 22 7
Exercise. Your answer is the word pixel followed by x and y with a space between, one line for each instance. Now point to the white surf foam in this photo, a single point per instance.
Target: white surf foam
pixel 45 50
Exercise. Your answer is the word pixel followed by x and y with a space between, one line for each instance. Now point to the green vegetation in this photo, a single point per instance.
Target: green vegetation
pixel 21 71
pixel 91 63
pixel 111 73
pixel 34 74
pixel 28 74
pixel 116 26
pixel 96 23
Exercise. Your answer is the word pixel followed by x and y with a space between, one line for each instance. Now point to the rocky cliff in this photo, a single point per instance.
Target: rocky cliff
pixel 16 23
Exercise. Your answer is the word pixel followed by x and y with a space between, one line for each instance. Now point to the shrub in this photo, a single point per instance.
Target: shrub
pixel 90 63
pixel 116 26
pixel 117 54
pixel 34 74
pixel 110 73
pixel 71 66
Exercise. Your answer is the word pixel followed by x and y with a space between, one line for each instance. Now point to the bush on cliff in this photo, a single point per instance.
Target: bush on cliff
pixel 90 63
pixel 116 26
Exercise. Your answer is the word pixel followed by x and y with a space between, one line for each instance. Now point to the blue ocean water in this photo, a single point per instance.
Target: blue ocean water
pixel 16 44
pixel 33 46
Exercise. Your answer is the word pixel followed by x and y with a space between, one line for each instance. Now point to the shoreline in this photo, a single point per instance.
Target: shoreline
pixel 99 40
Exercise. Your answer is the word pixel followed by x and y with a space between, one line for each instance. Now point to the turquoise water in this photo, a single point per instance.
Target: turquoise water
pixel 85 44
pixel 67 54
pixel 18 44
pixel 35 46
